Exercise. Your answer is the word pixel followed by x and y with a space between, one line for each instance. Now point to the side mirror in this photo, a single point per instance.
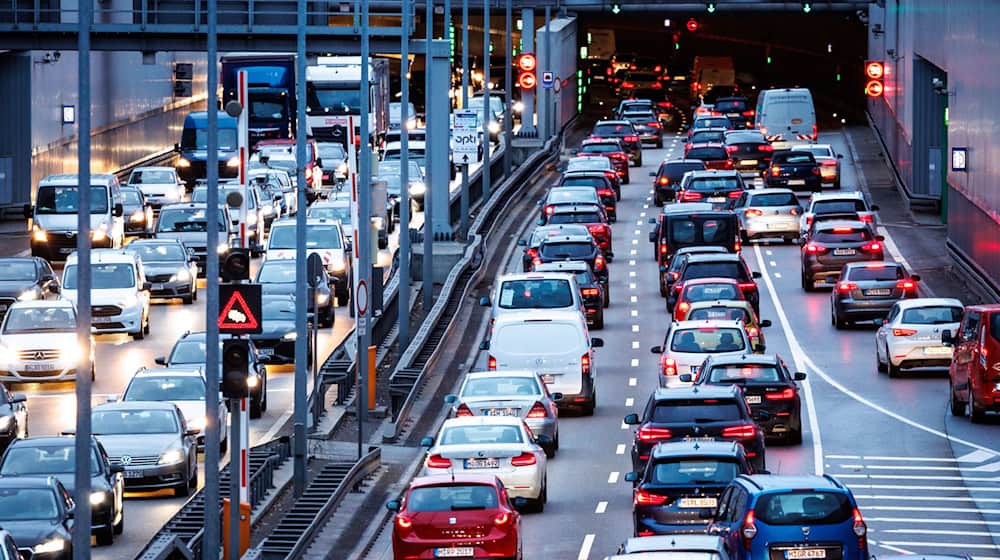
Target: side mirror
pixel 18 398
pixel 915 277
pixel 755 275
pixel 652 221
pixel 116 468
pixel 540 222
pixel 840 156
pixel 147 286
pixel 652 173
pixel 799 376
pixel 450 399
pixel 160 360
pixel 28 211
pixel 539 203
pixel 484 301
pixel 348 245
pixel 874 207
pixel 427 441
pixel 54 288
pixel 632 476
pixel 656 350
pixel 191 432
pixel 596 342
pixel 484 345
pixel 522 242
pixel 880 238
pixel 632 419
pixel 68 433
pixel 557 396
pixel 393 505
pixel 765 323
pixel 119 210
pixel 686 377
pixel 947 338
pixel 652 235
pixel 318 163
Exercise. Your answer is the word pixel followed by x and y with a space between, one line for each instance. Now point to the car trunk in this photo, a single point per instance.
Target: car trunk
pixel 453 525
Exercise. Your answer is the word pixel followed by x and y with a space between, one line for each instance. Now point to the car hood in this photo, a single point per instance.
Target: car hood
pixel 29 533
pixel 104 297
pixel 271 328
pixel 13 288
pixel 158 268
pixel 67 222
pixel 39 340
pixel 138 444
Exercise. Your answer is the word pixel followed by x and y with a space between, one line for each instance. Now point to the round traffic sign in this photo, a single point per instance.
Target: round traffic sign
pixel 361 298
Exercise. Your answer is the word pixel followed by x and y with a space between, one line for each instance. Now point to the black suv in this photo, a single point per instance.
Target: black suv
pixel 626 132
pixel 828 246
pixel 531 243
pixel 768 386
pixel 798 171
pixel 717 265
pixel 575 248
pixel 673 270
pixel 750 151
pixel 697 413
pixel 687 227
pixel 667 179
pixel 607 191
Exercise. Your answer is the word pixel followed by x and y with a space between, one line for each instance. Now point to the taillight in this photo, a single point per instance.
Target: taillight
pixel 649 433
pixel 737 246
pixel 599 263
pixel 585 364
pixel 815 170
pixel 775 171
pixel 809 221
pixel 631 138
pixel 872 247
pixel 753 212
pixel 403 522
pixel 610 174
pixel 674 275
pixel 664 104
pixel 606 192
pixel 532 253
pixel 765 148
pixel 654 124
pixel 903 332
pixel 828 163
pixel 690 196
pixel 550 209
pixel 785 395
pixel 656 85
pixel 438 462
pixel 728 164
pixel 664 180
pixel 669 366
pixel 815 132
pixel 815 248
pixel 608 71
pixel 749 113
pixel 537 411
pixel 682 309
pixel 753 332
pixel 502 519
pixel 643 498
pixel 749 529
pixel 463 410
pixel 663 251
pixel 491 363
pixel 628 85
pixel 745 431
pixel 734 194
pixel 846 287
pixel 906 285
pixel 860 529
pixel 732 149
pixel 523 460
pixel 590 292
pixel 536 261
pixel 866 218
pixel 747 286
pixel 794 211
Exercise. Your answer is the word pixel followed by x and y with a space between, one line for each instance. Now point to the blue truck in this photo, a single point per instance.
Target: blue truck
pixel 271 89
pixel 193 148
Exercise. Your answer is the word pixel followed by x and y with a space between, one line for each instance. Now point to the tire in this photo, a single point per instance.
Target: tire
pixel 588 408
pixel 343 293
pixel 193 482
pixel 808 284
pixel 977 414
pixel 879 364
pixel 794 437
pixel 663 289
pixel 183 490
pixel 599 320
pixel 956 405
pixel 256 409
pixel 223 444
pixel 628 178
pixel 139 334
pixel 657 201
pixel 659 144
pixel 839 323
pixel 550 451
pixel 188 299
pixel 894 371
pixel 744 237
pixel 145 328
pixel 120 527
pixel 105 536
pixel 607 296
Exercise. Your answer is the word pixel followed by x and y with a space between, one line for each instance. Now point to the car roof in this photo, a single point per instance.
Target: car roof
pixel 538 275
pixel 105 256
pixel 710 129
pixel 482 421
pixel 928 302
pixel 538 316
pixel 755 359
pixel 686 208
pixel 153 168
pixel 687 448
pixel 682 160
pixel 697 173
pixel 175 371
pixel 707 145
pixel 697 392
pixel 770 190
pixel 714 257
pixel 453 478
pixel 613 121
pixel 768 482
pixel 573 207
pixel 701 250
pixel 838 195
pixel 310 221
pixel 675 543
pixel 825 226
pixel 45 440
pixel 731 303
pixel 569 238
pixel 501 373
pixel 874 264
pixel 706 323
pixel 137 405
pixel 562 265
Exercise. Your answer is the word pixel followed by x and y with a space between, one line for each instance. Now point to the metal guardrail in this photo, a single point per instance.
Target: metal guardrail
pixel 154 159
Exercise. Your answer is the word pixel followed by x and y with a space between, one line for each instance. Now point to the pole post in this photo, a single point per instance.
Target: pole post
pixel 487 112
pixel 463 225
pixel 547 67
pixel 508 117
pixel 81 533
pixel 427 270
pixel 235 464
pixel 301 293
pixel 528 96
pixel 404 182
pixel 362 237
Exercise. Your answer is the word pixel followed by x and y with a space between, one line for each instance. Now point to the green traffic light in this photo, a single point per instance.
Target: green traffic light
pixel 711 7
pixel 769 59
pixel 807 7
pixel 616 9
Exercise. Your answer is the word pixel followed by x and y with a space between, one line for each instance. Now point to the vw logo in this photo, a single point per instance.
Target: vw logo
pixel 126 459
pixel 69 235
pixel 39 355
pixel 996 366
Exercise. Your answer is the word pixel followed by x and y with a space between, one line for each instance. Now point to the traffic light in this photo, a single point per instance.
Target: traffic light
pixel 236 265
pixel 710 7
pixel 875 72
pixel 526 65
pixel 692 25
pixel 235 368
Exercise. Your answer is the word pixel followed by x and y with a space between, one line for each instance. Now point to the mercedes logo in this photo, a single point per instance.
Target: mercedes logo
pixel 39 355
pixel 126 459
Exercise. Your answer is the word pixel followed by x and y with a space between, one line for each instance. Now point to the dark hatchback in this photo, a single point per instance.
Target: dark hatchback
pixel 26 278
pixel 575 248
pixel 138 213
pixel 795 170
pixel 38 511
pixel 718 266
pixel 867 291
pixel 605 187
pixel 591 215
pixel 718 188
pixel 706 413
pixel 768 386
pixel 694 228
pixel 624 131
pixel 737 110
pixel 276 341
pixel 750 151
pixel 591 290
pixel 673 271
pixel 679 489
pixel 531 243
pixel 714 155
pixel 828 246
pixel 667 179
pixel 277 277
pixel 169 267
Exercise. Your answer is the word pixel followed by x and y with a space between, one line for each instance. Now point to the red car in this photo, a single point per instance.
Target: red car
pixel 715 156
pixel 592 215
pixel 704 289
pixel 613 150
pixel 455 516
pixel 975 362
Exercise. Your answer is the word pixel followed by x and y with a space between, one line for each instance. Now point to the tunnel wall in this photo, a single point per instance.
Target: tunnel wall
pixel 563 65
pixel 958 40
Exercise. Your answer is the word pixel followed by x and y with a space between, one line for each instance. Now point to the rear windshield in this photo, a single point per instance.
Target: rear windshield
pixel 613 129
pixel 707 153
pixel 595 163
pixel 875 273
pixel 719 313
pixel 707 136
pixel 489 386
pixel 793 157
pixel 452 498
pixel 693 472
pixel 745 138
pixel 707 340
pixel 711 269
pixel 599 148
pixel 938 316
pixel 596 182
pixel 740 373
pixel 774 199
pixel 575 218
pixel 713 184
pixel 730 105
pixel 677 170
pixel 844 235
pixel 838 206
pixel 572 195
pixel 546 293
pixel 804 508
pixel 713 231
pixel 710 292
pixel 722 122
pixel 699 411
pixel 533 338
pixel 567 250
pixel 481 435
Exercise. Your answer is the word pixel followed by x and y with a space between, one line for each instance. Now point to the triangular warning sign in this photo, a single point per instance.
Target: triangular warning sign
pixel 237 316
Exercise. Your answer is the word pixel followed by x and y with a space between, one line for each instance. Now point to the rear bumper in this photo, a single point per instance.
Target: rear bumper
pixel 810 182
pixel 914 354
pixel 857 310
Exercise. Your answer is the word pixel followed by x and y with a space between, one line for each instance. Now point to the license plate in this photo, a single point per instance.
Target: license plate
pixel 157 287
pixel 748 162
pixel 699 438
pixel 698 502
pixel 878 292
pixel 456 552
pixel 732 114
pixel 937 350
pixel 796 182
pixel 753 399
pixel 805 553
pixel 507 411
pixel 44 366
pixel 489 463
pixel 103 319
pixel 265 351
pixel 717 199
pixel 547 379
pixel 133 473
pixel 844 252
pixel 66 250
pixel 774 226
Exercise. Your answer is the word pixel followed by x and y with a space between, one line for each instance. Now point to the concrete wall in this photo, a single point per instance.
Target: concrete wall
pixel 563 64
pixel 959 37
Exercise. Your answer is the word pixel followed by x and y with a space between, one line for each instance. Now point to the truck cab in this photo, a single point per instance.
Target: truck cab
pixel 194 148
pixel 974 374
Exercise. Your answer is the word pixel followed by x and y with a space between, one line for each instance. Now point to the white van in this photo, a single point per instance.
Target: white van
pixel 554 344
pixel 54 215
pixel 516 293
pixel 119 292
pixel 785 116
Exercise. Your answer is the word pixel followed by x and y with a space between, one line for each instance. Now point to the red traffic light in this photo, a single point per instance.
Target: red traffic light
pixel 526 62
pixel 692 25
pixel 874 88
pixel 874 69
pixel 526 80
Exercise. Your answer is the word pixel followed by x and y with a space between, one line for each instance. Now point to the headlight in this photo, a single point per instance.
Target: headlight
pixel 171 457
pixel 233 162
pixel 223 248
pixel 7 354
pixel 182 162
pixel 342 169
pixel 418 189
pixel 198 423
pixel 182 276
pixel 28 295
pixel 40 235
pixel 99 234
pixel 518 107
pixel 252 381
pixel 97 498
pixel 71 354
pixel 493 127
pixel 55 544
pixel 322 298
pixel 137 217
pixel 290 336
pixel 378 222
pixel 5 420
pixel 338 264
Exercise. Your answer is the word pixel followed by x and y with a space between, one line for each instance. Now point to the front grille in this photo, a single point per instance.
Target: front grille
pixel 135 460
pixel 158 277
pixel 330 134
pixel 105 311
pixel 27 355
pixel 109 326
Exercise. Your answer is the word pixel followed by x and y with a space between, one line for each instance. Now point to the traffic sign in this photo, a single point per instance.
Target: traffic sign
pixel 314 270
pixel 547 79
pixel 465 137
pixel 361 298
pixel 242 311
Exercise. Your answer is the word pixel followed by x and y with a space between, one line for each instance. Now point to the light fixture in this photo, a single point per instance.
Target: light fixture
pixel 68 114
pixel 960 159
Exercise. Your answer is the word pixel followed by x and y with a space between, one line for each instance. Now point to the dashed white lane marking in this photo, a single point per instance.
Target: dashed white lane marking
pixel 632 381
pixel 634 362
pixel 620 450
pixel 641 215
pixel 631 262
pixel 635 312
pixel 645 206
pixel 635 241
pixel 637 232
pixel 635 328
pixel 613 477
pixel 633 299
pixel 768 252
pixel 772 263
pixel 588 543
pixel 631 274
pixel 638 222
pixel 624 425
pixel 635 344
pixel 631 285
pixel 601 507
pixel 777 275
pixel 629 401
pixel 633 252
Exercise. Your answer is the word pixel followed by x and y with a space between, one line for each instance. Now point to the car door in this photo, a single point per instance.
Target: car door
pixel 883 332
pixel 966 351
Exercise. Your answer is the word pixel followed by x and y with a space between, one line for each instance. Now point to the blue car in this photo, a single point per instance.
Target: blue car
pixel 798 517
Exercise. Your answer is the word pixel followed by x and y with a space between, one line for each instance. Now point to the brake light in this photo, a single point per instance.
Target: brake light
pixel 590 292
pixel 657 68
pixel 775 171
pixel 747 286
pixel 609 71
pixel 663 250
pixel 664 180
pixel 656 85
pixel 906 285
pixel 860 529
pixel 674 275
pixel 815 248
pixel 532 253
pixel 794 211
pixel 815 170
pixel 734 194
pixel 438 462
pixel 643 498
pixel 536 261
pixel 749 113
pixel 599 263
pixel 633 67
pixel 787 394
pixel 690 196
pixel 491 363
pixel 903 332
pixel 843 230
pixel 753 212
pixel 664 104
pixel 649 433
pixel 815 132
pixel 763 130
pixel 610 174
pixel 605 192
pixel 745 431
pixel 550 209
pixel 737 246
pixel 765 148
pixel 749 529
pixel 872 247
pixel 728 164
pixel 617 155
pixel 732 149
pixel 682 309
pixel 846 287
pixel 809 220
pixel 501 519
pixel 628 85
pixel 537 411
pixel 585 364
pixel 403 522
pixel 866 218
pixel 669 366
pixel 631 138
pixel 523 460
pixel 463 410
pixel 828 163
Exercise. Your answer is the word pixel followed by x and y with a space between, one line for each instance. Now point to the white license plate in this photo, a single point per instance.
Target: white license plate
pixel 489 463
pixel 133 473
pixel 937 350
pixel 548 379
pixel 455 552
pixel 506 411
pixel 732 114
pixel 103 319
pixel 717 199
pixel 264 352
pixel 699 438
pixel 844 252
pixel 44 366
pixel 878 292
pixel 157 287
pixel 805 553
pixel 66 250
pixel 698 502
pixel 796 182
pixel 753 399
pixel 748 162
pixel 775 226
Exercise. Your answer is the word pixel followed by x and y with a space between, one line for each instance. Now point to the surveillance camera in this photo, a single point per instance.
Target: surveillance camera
pixel 937 83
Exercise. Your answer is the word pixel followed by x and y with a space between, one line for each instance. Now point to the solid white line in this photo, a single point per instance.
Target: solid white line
pixel 588 542
pixel 613 477
pixel 632 381
pixel 920 477
pixel 634 362
pixel 962 459
pixel 620 450
pixel 873 542
pixel 940 545
pixel 934 508
pixel 923 498
pixel 277 426
pixel 629 402
pixel 900 468
pixel 939 532
pixel 890 246
pixel 601 507
pixel 972 489
pixel 936 521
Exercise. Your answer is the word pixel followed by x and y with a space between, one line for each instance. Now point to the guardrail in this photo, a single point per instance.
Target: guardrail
pixel 154 159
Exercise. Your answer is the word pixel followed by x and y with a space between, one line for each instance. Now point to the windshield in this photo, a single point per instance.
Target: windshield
pixel 877 273
pixel 158 252
pixel 278 310
pixel 804 507
pixel 675 171
pixel 613 129
pixel 197 139
pixel 490 386
pixel 712 184
pixel 276 272
pixel 134 421
pixel 741 373
pixel 570 194
pixel 333 99
pixel 189 352
pixel 712 231
pixel 567 250
pixel 25 460
pixel 64 200
pixel 110 276
pixel 331 152
pixel 774 199
pixel 266 110
pixel 535 294
pixel 721 122
pixel 167 388
pixel 575 218
pixel 838 206
pixel 694 472
pixel 339 213
pixel 937 315
pixel 724 269
pixel 710 292
pixel 317 236
pixel 416 154
pixel 39 319
pixel 452 498
pixel 152 177
pixel 697 411
pixel 187 220
pixel 18 271
pixel 25 504
pixel 707 153
pixel 707 340
pixel 535 338
pixel 821 151
pixel 480 435
pixel 730 105
pixel 719 313
pixel 201 196
pixel 131 198
pixel 394 167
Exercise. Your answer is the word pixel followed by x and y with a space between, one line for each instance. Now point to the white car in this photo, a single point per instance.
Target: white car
pixel 688 343
pixel 337 209
pixel 119 292
pixel 38 342
pixel 324 237
pixel 185 387
pixel 160 185
pixel 910 337
pixel 499 445
pixel 513 293
pixel 828 160
pixel 841 202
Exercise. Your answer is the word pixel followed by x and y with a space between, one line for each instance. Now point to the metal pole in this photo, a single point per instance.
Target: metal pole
pixel 427 270
pixel 236 419
pixel 81 532
pixel 528 128
pixel 213 531
pixel 508 118
pixel 463 226
pixel 548 68
pixel 301 292
pixel 362 236
pixel 487 113
pixel 404 182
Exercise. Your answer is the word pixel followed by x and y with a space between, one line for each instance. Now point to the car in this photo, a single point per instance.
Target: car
pixel 275 181
pixel 867 291
pixel 38 342
pixel 514 293
pixel 55 215
pixel 272 198
pixel 838 203
pixel 119 292
pixel 768 385
pixel 250 226
pixel 26 279
pixel 337 209
pixel 910 336
pixel 576 247
pixel 55 457
pixel 138 212
pixel 324 237
pixel 672 547
pixel 597 180
pixel 633 103
pixel 8 548
pixel 159 185
pixel 390 172
pixel 638 79
pixel 750 151
pixel 714 155
pixel 517 393
pixel 187 223
pixel 624 131
pixel 189 350
pixel 829 162
pixel 706 136
pixel 828 246
pixel 737 110
pixel 448 515
pixel 592 215
pixel 688 343
pixel 797 170
pixel 667 178
pixel 732 310
pixel 533 241
pixel 718 188
pixel 697 228
pixel 37 513
pixel 672 271
pixel 276 341
pixel 184 387
pixel 973 371
pixel 333 162
pixel 647 125
pixel 556 344
pixel 569 195
pixel 169 267
pixel 13 417
pixel 768 213
pixel 702 122
pixel 152 442
pixel 658 100
pixel 716 265
pixel 277 277
pixel 761 515
pixel 703 289
pixel 596 163
pixel 678 488
pixel 416 149
pixel 284 151
pixel 699 414
pixel 611 148
pixel 591 290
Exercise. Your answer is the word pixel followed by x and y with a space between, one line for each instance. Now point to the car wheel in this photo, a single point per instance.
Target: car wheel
pixel 628 179
pixel 193 481
pixel 223 441
pixel 188 299
pixel 537 505
pixel 183 490
pixel 140 334
pixel 836 184
pixel 879 364
pixel 599 320
pixel 957 405
pixel 555 443
pixel 588 408
pixel 744 237
pixel 550 451
pixel 893 370
pixel 807 283
pixel 343 292
pixel 263 395
pixel 105 536
pixel 978 413
pixel 607 296
pixel 255 406
pixel 659 144
pixel 836 321
pixel 145 328
pixel 663 289
pixel 657 201
pixel 794 436
pixel 120 526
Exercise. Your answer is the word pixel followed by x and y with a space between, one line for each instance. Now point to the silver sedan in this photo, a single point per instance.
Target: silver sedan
pixel 766 213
